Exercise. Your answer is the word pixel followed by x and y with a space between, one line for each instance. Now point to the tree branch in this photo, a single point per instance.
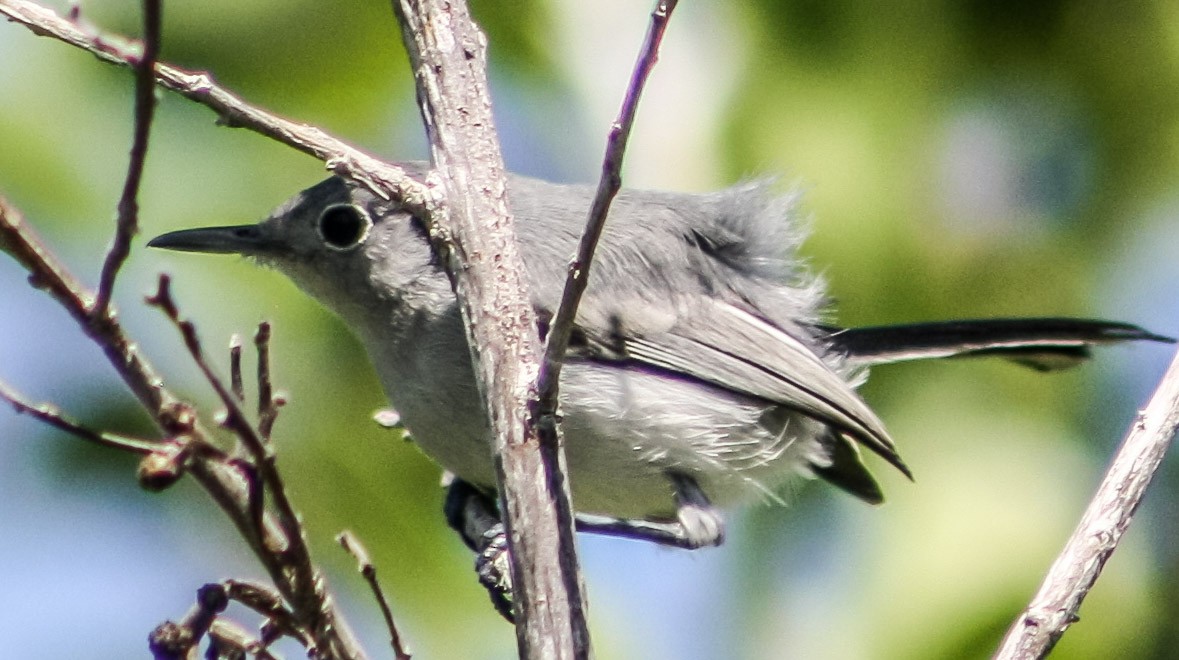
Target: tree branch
pixel 287 555
pixel 368 571
pixel 279 547
pixel 50 415
pixel 1055 606
pixel 608 186
pixel 383 179
pixel 268 403
pixel 448 55
pixel 145 102
pixel 46 273
pixel 389 181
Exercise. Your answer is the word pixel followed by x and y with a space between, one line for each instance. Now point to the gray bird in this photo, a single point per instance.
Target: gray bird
pixel 700 375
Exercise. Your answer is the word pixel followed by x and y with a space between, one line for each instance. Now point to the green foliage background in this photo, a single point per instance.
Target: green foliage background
pixel 960 158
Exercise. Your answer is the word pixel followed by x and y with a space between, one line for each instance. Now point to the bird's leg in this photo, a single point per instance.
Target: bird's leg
pixel 469 510
pixel 702 523
pixel 472 513
pixel 698 525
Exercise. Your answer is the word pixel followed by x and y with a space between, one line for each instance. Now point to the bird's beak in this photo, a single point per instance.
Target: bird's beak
pixel 241 239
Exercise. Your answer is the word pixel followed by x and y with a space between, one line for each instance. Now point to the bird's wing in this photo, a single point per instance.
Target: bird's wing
pixel 725 346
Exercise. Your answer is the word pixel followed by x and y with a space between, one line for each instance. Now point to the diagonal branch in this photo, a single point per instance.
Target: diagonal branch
pixel 48 274
pixel 53 417
pixel 291 566
pixel 608 186
pixel 368 571
pixel 385 180
pixel 1054 608
pixel 220 477
pixel 145 102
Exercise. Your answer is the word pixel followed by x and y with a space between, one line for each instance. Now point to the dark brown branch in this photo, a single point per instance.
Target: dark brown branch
pixel 176 640
pixel 236 419
pixel 298 578
pixel 128 215
pixel 1055 607
pixel 47 273
pixel 228 640
pixel 236 382
pixel 266 602
pixel 611 181
pixel 271 542
pixel 268 404
pixel 53 417
pixel 448 56
pixel 368 570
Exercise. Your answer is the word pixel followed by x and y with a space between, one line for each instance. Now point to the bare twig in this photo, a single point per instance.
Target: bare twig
pixel 448 56
pixel 236 419
pixel 1076 569
pixel 268 404
pixel 608 185
pixel 52 416
pixel 385 180
pixel 266 602
pixel 236 383
pixel 229 640
pixel 128 215
pixel 305 582
pixel 47 273
pixel 175 640
pixel 367 569
pixel 179 639
pixel 280 550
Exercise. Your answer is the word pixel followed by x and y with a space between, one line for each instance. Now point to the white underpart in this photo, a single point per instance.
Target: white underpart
pixel 620 447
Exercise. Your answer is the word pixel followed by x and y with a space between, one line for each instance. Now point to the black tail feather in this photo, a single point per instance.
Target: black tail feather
pixel 1044 344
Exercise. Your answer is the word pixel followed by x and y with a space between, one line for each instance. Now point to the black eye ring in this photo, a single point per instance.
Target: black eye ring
pixel 343 226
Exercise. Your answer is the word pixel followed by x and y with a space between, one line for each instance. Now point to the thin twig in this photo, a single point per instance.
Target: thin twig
pixel 608 185
pixel 367 569
pixel 383 179
pixel 303 582
pixel 175 640
pixel 48 274
pixel 268 405
pixel 1056 605
pixel 266 602
pixel 292 572
pixel 227 484
pixel 50 415
pixel 211 468
pixel 229 640
pixel 237 421
pixel 127 224
pixel 256 489
pixel 236 382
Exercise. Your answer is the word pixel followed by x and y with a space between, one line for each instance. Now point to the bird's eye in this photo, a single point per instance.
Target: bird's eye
pixel 343 226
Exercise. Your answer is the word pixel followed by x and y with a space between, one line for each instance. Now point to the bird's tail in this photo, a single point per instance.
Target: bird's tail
pixel 1043 344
